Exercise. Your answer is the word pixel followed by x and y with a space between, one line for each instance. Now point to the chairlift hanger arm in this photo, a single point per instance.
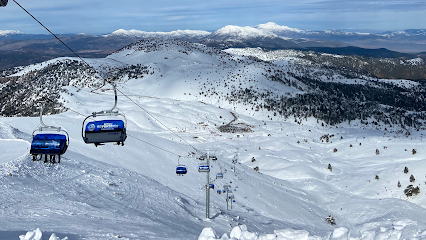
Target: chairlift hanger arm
pixel 110 112
pixel 45 127
pixel 111 81
pixel 41 116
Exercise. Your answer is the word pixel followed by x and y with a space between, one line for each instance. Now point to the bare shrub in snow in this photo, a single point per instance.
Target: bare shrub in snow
pixel 414 151
pixel 377 151
pixel 330 168
pixel 326 137
pixel 412 179
pixel 330 219
pixel 335 150
pixel 411 191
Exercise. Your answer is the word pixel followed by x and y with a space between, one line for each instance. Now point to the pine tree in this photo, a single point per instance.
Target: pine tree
pixel 406 170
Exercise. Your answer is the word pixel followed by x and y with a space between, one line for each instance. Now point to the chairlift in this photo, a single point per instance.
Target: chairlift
pixel 202 158
pixel 48 141
pixel 219 191
pixel 219 175
pixel 108 130
pixel 181 169
pixel 211 185
pixel 214 158
pixel 203 168
pixel 3 3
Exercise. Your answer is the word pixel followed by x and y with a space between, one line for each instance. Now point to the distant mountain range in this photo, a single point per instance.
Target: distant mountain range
pixel 18 49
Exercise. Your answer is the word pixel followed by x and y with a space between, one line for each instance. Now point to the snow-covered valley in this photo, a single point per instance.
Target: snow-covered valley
pixel 174 107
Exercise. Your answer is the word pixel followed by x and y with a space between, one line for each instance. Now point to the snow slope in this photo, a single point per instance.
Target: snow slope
pixel 132 191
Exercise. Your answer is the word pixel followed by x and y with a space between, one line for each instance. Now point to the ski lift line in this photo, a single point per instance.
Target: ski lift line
pixel 103 77
pixel 127 134
pixel 154 145
pixel 50 100
pixel 157 119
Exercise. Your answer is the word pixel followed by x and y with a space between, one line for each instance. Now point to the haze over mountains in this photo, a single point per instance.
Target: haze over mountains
pixel 21 49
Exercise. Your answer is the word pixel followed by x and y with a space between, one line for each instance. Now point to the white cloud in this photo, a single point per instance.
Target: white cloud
pixel 174 18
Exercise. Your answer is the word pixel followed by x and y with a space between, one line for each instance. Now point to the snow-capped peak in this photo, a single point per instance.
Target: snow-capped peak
pixel 243 32
pixel 172 34
pixel 8 32
pixel 273 27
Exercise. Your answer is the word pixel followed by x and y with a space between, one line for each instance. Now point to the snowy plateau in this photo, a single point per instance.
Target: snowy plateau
pixel 296 178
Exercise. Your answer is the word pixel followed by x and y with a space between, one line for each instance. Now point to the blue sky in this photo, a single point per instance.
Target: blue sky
pixel 105 16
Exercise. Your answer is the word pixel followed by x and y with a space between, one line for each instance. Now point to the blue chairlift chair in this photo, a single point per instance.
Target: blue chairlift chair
pixel 48 141
pixel 181 170
pixel 108 130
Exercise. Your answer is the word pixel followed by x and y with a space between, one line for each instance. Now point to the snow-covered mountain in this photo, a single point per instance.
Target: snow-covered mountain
pixel 265 36
pixel 240 33
pixel 8 32
pixel 275 28
pixel 17 35
pixel 184 98
pixel 28 49
pixel 178 34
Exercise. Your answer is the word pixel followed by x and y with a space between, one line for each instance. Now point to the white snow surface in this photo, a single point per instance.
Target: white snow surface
pixel 132 191
pixel 38 235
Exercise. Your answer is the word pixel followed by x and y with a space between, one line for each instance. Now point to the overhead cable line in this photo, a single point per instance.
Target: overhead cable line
pixel 52 33
pixel 104 79
pixel 50 100
pixel 157 119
